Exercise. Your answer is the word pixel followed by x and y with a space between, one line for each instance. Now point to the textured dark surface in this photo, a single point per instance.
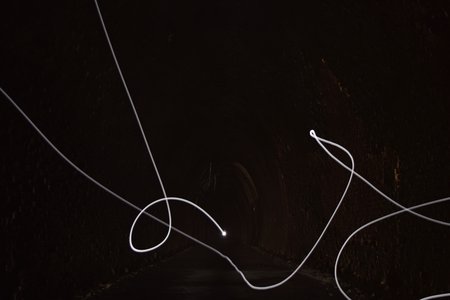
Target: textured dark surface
pixel 199 274
pixel 227 92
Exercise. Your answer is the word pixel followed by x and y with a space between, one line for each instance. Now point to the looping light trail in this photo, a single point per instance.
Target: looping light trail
pixel 166 199
pixel 319 140
pixel 223 232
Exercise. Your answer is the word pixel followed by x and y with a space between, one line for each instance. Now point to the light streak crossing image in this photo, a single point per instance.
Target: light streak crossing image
pixel 165 150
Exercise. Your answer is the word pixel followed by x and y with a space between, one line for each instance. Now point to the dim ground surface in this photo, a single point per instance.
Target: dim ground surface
pixel 197 273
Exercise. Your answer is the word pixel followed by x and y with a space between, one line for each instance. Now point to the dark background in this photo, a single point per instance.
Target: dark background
pixel 227 92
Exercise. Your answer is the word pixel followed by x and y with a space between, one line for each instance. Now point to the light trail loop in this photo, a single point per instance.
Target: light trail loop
pixel 240 272
pixel 166 199
pixel 223 232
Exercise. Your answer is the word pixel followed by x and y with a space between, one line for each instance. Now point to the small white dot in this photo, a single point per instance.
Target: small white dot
pixel 224 233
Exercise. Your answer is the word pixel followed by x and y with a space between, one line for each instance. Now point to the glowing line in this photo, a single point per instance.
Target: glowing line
pixel 404 209
pixel 97 183
pixel 166 199
pixel 374 222
pixel 217 225
pixel 436 296
pixel 224 233
pixel 351 170
pixel 140 127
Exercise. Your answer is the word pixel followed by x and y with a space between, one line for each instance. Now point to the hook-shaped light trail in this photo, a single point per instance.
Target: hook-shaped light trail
pixel 321 142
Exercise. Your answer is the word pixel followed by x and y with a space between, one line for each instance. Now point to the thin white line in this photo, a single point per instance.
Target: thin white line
pixel 319 140
pixel 436 296
pixel 312 133
pixel 130 239
pixel 194 239
pixel 103 187
pixel 376 221
pixel 140 126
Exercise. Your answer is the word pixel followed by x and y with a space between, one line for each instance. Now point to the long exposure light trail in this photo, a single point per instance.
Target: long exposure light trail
pixel 166 199
pixel 319 140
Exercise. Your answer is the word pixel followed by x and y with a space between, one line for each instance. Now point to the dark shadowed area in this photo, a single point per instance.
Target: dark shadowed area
pixel 227 92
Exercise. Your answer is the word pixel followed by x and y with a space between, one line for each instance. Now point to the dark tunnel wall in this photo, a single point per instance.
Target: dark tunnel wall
pixel 227 92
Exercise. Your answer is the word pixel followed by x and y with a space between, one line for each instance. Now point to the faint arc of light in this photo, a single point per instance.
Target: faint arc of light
pixel 166 199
